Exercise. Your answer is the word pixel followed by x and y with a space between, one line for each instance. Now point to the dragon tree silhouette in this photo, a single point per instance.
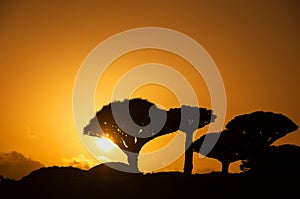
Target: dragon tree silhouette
pixel 246 136
pixel 128 123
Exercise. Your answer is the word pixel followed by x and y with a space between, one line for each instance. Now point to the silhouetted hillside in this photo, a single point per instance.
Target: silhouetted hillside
pixel 105 182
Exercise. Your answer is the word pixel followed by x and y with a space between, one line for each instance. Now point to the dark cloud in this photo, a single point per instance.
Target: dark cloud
pixel 15 165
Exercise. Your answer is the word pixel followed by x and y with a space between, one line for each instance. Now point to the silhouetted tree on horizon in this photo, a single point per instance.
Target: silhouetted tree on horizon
pixel 246 136
pixel 132 133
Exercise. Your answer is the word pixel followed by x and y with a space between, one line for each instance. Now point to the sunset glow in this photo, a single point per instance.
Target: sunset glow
pixel 255 45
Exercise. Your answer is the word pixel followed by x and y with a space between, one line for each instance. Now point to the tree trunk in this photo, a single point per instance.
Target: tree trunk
pixel 132 159
pixel 225 166
pixel 188 161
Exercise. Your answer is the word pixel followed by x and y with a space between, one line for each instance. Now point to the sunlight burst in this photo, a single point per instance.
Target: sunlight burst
pixel 105 144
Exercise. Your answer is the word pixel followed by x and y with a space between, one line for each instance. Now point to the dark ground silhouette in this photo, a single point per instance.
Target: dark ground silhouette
pixel 104 182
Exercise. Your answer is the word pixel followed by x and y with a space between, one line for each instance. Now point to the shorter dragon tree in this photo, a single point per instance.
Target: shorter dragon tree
pixel 245 137
pixel 130 124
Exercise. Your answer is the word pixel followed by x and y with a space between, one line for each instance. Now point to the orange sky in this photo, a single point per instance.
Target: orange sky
pixel 43 44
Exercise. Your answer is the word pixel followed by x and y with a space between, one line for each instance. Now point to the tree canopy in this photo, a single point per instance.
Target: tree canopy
pixel 261 127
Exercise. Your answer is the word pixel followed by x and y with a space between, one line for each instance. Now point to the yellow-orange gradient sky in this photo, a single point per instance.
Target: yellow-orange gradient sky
pixel 43 44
